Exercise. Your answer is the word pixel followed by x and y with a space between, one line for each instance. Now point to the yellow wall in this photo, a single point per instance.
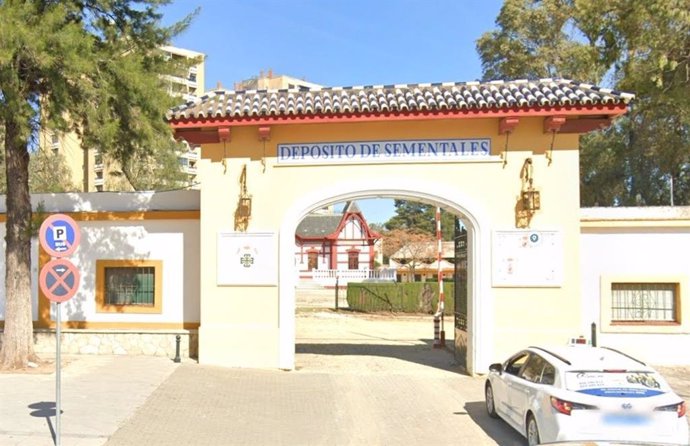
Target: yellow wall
pixel 243 326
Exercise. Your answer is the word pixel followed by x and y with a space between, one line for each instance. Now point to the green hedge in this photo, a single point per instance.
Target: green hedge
pixel 411 297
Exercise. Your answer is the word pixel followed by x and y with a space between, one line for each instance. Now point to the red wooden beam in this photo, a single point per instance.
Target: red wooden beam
pixel 224 134
pixel 553 123
pixel 197 136
pixel 264 133
pixel 584 125
pixel 507 125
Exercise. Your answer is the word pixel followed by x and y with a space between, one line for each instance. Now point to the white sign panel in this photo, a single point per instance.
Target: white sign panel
pixel 523 258
pixel 247 258
pixel 418 150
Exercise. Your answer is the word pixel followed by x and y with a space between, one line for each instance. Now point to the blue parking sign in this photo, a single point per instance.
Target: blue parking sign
pixel 59 235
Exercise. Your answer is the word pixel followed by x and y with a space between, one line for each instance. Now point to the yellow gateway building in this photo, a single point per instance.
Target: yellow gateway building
pixel 502 156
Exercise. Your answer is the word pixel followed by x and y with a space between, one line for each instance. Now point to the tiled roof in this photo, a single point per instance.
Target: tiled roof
pixel 396 98
pixel 318 225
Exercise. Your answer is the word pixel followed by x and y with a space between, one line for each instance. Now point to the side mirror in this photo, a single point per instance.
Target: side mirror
pixel 496 367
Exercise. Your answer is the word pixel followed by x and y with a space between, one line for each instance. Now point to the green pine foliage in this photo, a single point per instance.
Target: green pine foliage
pixel 88 66
pixel 157 168
pixel 417 217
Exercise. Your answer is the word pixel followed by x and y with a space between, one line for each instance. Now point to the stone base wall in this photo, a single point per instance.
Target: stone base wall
pixel 119 342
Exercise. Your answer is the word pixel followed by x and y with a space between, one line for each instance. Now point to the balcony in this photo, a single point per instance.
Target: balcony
pixel 175 79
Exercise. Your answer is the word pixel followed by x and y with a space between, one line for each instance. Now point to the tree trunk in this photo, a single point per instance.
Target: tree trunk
pixel 17 343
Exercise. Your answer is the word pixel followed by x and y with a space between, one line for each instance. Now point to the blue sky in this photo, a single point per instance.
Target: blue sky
pixel 338 43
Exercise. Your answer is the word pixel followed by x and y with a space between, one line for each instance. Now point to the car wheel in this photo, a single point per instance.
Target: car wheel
pixel 532 431
pixel 489 397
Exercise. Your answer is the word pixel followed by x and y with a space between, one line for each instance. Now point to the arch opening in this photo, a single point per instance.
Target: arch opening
pixel 467 209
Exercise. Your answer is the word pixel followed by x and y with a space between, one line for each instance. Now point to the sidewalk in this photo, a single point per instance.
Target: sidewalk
pixel 99 393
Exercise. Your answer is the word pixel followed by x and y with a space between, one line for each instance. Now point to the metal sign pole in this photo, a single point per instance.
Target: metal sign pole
pixel 59 280
pixel 58 366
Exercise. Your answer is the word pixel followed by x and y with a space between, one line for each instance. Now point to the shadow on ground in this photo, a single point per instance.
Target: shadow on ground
pixel 497 429
pixel 45 409
pixel 422 354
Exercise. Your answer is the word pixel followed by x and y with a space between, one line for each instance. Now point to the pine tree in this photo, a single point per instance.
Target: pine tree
pixel 420 217
pixel 89 66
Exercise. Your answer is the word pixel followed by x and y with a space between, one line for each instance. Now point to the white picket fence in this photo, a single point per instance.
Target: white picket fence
pixel 328 277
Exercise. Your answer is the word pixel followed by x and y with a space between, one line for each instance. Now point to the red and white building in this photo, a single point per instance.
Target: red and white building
pixel 332 245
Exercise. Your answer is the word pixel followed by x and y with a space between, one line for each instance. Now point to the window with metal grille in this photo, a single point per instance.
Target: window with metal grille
pixel 644 302
pixel 130 286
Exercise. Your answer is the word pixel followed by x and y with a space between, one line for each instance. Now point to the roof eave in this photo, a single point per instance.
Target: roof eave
pixel 201 123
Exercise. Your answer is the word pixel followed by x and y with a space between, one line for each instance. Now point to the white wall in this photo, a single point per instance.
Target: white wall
pixel 630 250
pixel 173 241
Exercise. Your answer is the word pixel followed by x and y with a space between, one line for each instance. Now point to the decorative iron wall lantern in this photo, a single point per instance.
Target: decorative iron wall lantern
pixel 244 209
pixel 243 212
pixel 531 200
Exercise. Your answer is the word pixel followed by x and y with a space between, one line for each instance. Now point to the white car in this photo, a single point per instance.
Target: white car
pixel 581 392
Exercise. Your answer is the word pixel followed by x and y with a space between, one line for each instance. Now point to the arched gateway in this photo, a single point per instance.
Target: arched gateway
pixel 501 155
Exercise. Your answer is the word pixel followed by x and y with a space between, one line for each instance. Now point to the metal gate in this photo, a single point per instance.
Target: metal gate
pixel 460 280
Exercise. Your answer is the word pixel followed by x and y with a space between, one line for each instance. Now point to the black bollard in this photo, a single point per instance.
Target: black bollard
pixel 177 348
pixel 594 334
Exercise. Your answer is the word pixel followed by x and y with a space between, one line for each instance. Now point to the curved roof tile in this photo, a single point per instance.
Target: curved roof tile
pixel 437 96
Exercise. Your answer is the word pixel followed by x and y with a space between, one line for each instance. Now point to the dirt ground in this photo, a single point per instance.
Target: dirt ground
pixel 356 343
pixel 44 366
pixel 365 343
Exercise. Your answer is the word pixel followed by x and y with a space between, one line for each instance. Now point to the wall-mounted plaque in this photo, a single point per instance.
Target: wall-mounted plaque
pixel 525 258
pixel 247 258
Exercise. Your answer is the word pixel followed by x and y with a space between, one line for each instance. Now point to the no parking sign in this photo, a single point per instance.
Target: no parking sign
pixel 59 235
pixel 59 280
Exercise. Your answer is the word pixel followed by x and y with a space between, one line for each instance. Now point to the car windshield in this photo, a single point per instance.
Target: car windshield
pixel 616 384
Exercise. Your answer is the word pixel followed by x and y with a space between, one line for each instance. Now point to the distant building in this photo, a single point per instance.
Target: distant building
pixel 91 172
pixel 419 263
pixel 271 81
pixel 191 85
pixel 327 243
